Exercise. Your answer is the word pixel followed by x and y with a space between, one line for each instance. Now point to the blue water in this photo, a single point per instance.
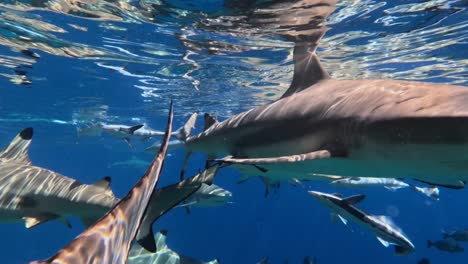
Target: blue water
pixel 133 67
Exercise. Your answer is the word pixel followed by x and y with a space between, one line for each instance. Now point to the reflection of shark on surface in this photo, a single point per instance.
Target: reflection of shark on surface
pixel 207 196
pixel 163 255
pixel 383 227
pixel 351 128
pixel 110 238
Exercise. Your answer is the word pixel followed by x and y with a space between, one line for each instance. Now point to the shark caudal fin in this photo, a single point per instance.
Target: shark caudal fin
pixel 17 150
pixel 432 192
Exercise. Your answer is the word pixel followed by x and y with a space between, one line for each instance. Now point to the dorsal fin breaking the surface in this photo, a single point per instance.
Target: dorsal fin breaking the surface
pixel 307 68
pixel 18 149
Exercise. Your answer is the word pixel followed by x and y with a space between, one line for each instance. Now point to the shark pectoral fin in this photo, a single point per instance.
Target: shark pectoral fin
pixel 129 143
pixel 354 199
pixel 18 148
pixel 32 221
pixel 320 154
pixel 188 210
pixel 384 242
pixel 333 217
pixel 343 219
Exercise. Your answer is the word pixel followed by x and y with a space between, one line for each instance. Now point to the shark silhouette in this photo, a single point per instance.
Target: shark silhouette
pixel 110 238
pixel 350 128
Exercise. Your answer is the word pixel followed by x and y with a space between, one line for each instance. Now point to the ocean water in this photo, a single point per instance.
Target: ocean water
pixel 121 62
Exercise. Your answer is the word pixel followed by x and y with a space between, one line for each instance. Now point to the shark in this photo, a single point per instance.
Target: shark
pixel 383 227
pixel 349 128
pixel 35 195
pixel 110 238
pixel 388 183
pixel 207 196
pixel 164 254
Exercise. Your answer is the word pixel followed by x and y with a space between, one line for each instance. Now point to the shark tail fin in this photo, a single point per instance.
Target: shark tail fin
pixel 18 149
pixel 432 192
pixel 184 132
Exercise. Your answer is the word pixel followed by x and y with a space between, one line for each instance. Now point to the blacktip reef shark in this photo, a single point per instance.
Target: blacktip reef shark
pixel 388 183
pixel 35 195
pixel 207 196
pixel 350 128
pixel 385 230
pixel 164 255
pixel 110 238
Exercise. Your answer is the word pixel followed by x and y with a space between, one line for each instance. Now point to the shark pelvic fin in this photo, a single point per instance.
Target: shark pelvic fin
pixel 354 199
pixel 18 149
pixel 384 242
pixel 33 221
pixel 307 67
pixel 209 121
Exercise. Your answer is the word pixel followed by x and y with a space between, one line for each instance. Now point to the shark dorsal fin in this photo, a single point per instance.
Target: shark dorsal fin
pixel 103 183
pixel 354 199
pixel 307 68
pixel 130 130
pixel 209 121
pixel 337 195
pixel 18 149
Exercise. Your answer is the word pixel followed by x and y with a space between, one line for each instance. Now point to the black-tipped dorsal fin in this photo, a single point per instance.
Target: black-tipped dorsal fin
pixel 307 68
pixel 354 199
pixel 209 121
pixel 130 130
pixel 103 183
pixel 18 149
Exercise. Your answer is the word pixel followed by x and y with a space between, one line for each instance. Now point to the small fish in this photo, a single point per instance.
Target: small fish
pixel 458 235
pixel 110 238
pixel 446 245
pixel 389 183
pixel 385 230
pixel 164 255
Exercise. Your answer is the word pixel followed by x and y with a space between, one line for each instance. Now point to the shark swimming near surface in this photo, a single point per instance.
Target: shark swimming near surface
pixel 350 128
pixel 385 230
pixel 35 195
pixel 164 255
pixel 110 238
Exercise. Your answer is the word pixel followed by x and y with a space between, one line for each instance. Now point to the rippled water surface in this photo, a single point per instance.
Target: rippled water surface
pixel 67 64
